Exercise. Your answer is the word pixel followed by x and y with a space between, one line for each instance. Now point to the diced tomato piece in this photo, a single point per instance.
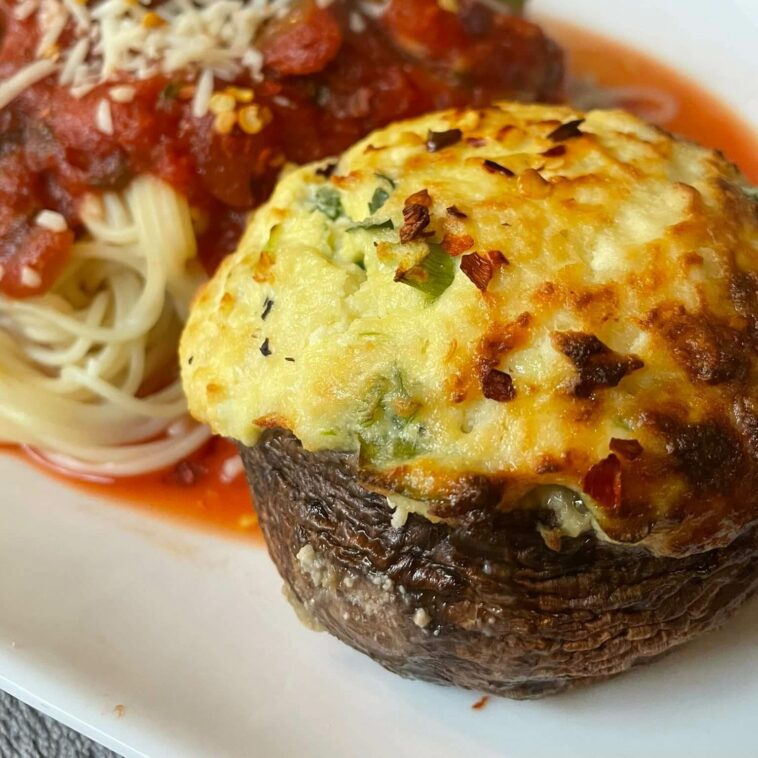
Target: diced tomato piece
pixel 303 42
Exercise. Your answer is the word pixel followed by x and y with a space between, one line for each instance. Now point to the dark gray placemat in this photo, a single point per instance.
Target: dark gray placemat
pixel 26 733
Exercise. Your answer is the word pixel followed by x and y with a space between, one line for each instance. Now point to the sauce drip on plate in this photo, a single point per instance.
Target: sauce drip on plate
pixel 204 490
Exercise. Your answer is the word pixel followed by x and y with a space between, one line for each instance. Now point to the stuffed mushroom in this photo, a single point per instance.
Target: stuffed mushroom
pixel 493 377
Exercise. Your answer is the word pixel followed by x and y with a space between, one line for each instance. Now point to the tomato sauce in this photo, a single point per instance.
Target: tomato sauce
pixel 326 84
pixel 194 491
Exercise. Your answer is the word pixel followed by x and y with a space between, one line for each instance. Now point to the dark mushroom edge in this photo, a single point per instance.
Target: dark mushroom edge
pixel 480 602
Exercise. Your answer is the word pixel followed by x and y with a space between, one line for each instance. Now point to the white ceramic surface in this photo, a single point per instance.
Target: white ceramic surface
pixel 102 607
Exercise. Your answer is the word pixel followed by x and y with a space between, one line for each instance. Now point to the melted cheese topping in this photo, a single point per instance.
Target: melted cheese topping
pixel 584 291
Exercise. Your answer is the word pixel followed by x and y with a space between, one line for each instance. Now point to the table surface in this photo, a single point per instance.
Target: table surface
pixel 27 733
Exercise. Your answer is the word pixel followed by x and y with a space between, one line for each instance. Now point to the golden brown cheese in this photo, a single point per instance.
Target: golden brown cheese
pixel 484 302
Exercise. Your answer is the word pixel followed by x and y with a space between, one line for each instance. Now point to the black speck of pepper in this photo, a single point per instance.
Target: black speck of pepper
pixel 268 304
pixel 496 168
pixel 291 360
pixel 326 171
pixel 439 140
pixel 569 130
pixel 456 212
pixel 265 349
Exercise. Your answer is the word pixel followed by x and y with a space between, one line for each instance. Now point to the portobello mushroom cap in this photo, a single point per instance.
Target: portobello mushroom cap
pixel 493 377
pixel 481 602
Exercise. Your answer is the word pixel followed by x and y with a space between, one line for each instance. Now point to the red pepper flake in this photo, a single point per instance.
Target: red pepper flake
pixel 415 215
pixel 476 141
pixel 629 449
pixel 555 152
pixel 603 482
pixel 479 704
pixel 422 197
pixel 497 258
pixel 478 269
pixel 455 244
pixel 496 168
pixel 456 212
pixel 567 131
pixel 439 140
pixel 597 365
pixel 497 385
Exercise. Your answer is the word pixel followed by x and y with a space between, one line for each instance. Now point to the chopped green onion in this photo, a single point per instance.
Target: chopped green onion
pixel 391 182
pixel 371 224
pixel 328 201
pixel 432 275
pixel 379 198
pixel 387 429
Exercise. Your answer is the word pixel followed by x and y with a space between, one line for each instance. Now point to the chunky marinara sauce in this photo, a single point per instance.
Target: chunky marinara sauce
pixel 325 85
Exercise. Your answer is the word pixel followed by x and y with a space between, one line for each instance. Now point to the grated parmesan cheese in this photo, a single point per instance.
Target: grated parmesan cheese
pixel 23 79
pixel 51 220
pixel 207 40
pixel 122 94
pixel 103 117
pixel 30 278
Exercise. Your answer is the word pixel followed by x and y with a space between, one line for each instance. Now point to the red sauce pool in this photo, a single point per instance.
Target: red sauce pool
pixel 199 497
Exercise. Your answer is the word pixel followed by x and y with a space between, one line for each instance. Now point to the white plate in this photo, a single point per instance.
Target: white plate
pixel 102 607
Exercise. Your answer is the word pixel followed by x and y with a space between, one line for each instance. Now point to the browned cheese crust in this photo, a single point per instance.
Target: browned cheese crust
pixel 481 602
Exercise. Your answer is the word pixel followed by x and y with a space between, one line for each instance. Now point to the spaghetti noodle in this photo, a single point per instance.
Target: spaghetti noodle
pixel 88 370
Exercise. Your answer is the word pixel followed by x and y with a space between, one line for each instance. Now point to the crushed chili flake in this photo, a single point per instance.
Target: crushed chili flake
pixel 496 168
pixel 455 244
pixel 439 140
pixel 265 349
pixel 597 365
pixel 567 131
pixel 479 704
pixel 603 482
pixel 478 269
pixel 456 212
pixel 555 152
pixel 497 385
pixel 629 449
pixel 422 197
pixel 476 141
pixel 497 258
pixel 415 219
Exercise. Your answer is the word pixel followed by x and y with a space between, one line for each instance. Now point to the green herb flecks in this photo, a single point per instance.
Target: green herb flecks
pixel 378 199
pixel 432 275
pixel 392 183
pixel 170 91
pixel 327 200
pixel 372 224
pixel 386 425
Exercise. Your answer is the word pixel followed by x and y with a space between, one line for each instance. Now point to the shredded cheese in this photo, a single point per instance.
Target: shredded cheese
pixel 24 78
pixel 30 278
pixel 51 220
pixel 103 117
pixel 206 40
